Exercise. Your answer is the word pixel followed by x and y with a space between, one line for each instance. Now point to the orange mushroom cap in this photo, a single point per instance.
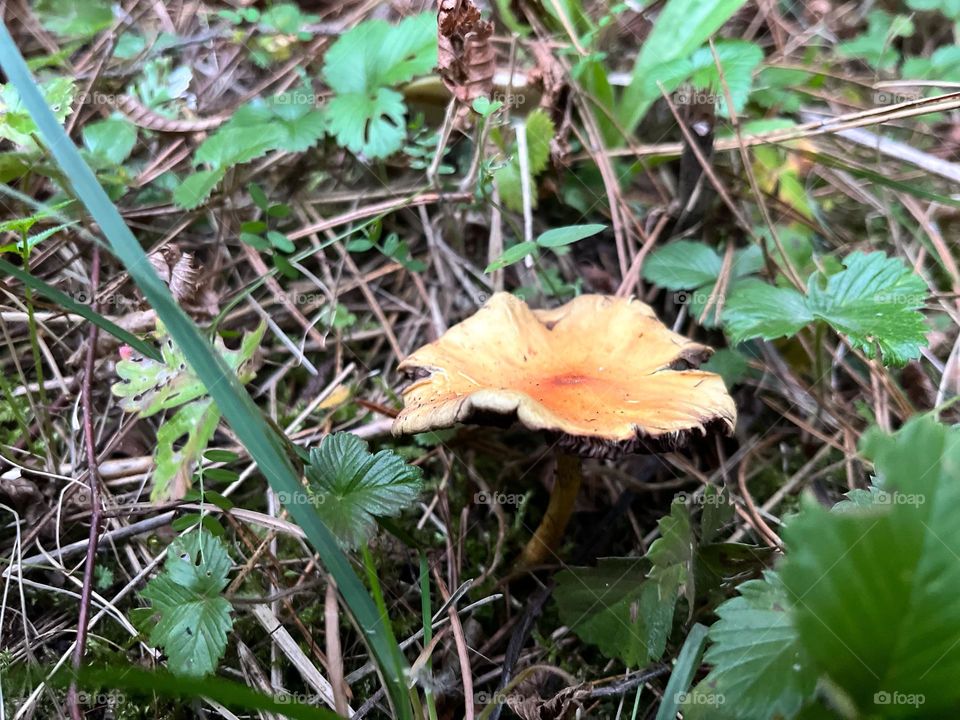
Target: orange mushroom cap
pixel 603 372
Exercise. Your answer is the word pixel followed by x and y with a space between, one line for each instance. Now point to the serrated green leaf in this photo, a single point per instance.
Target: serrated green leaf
pixel 72 19
pixel 874 302
pixel 350 486
pixel 876 591
pixel 17 126
pixel 196 188
pixel 376 54
pixel 194 616
pixel 738 59
pixel 672 554
pixel 148 386
pixel 237 143
pixel 558 237
pixel 759 665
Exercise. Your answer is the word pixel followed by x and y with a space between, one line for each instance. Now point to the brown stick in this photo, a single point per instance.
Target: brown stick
pixel 93 480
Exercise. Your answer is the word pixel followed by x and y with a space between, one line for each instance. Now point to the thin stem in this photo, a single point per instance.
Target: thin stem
pixel 93 479
pixel 550 531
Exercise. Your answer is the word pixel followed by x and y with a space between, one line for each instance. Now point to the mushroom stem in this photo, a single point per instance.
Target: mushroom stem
pixel 550 531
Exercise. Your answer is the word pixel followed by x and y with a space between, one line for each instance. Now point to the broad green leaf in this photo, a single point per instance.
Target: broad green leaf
pixel 194 616
pixel 876 592
pixel 350 486
pixel 77 20
pixel 237 143
pixel 614 607
pixel 683 265
pixel 682 27
pixel 758 309
pixel 300 125
pixel 366 115
pixel 942 64
pixel 729 364
pixel 694 266
pixel 513 254
pixel 558 237
pixel 376 54
pixel 759 666
pixel 112 140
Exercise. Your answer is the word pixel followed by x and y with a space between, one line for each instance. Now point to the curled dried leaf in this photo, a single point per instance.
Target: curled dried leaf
pixel 465 55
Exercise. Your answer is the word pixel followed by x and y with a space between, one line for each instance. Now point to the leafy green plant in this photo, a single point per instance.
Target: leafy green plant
pixel 873 302
pixel 539 132
pixel 681 28
pixel 625 606
pixel 685 265
pixel 350 487
pixel 148 386
pixel 392 247
pixel 286 122
pixel 738 59
pixel 875 45
pixel 258 233
pixel 550 239
pixel 194 616
pixel 367 115
pixel 866 597
pixel 17 125
pixel 74 20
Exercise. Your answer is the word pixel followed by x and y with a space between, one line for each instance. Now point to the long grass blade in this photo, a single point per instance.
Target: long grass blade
pixel 258 437
pixel 65 301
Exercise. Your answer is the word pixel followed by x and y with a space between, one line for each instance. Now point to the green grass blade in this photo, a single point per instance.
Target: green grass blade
pixel 683 671
pixel 230 693
pixel 78 308
pixel 263 443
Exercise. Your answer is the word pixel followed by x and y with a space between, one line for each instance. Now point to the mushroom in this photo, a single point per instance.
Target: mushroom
pixel 601 374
